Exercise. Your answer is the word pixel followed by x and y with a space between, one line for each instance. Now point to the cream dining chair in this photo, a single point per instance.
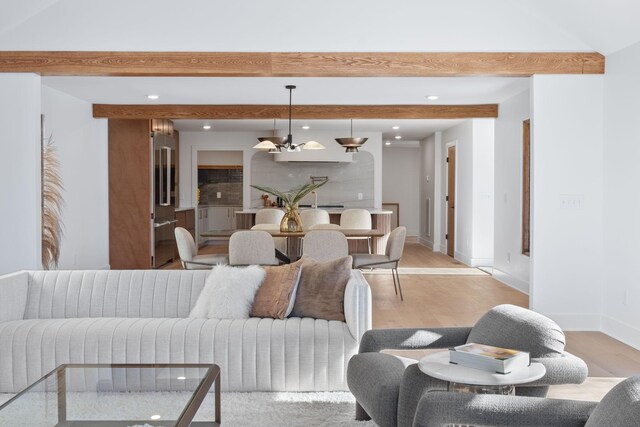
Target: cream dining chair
pixel 325 245
pixel 356 219
pixel 252 248
pixel 390 259
pixel 313 217
pixel 188 252
pixel 269 219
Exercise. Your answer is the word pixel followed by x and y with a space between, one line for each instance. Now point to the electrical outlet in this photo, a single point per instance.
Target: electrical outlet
pixel 219 195
pixel 359 196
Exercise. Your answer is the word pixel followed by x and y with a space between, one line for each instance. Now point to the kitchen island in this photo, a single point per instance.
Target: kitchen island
pixel 380 220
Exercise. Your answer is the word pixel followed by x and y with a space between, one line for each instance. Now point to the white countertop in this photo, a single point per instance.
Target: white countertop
pixel 331 211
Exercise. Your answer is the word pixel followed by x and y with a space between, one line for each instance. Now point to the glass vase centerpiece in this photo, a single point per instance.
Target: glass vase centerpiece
pixel 291 221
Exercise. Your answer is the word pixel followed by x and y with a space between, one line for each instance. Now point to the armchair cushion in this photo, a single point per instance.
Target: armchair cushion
pixel 515 327
pixel 440 408
pixel 413 339
pixel 619 407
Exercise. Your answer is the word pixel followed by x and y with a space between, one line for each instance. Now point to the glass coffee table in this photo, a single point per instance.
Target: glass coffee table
pixel 126 395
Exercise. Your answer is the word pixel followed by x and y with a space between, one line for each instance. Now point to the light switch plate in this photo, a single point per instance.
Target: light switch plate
pixel 219 195
pixel 359 196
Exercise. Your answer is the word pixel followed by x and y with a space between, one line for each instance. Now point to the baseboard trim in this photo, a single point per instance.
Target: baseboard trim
pixel 577 321
pixel 473 262
pixel 462 258
pixel 425 242
pixel 511 281
pixel 621 331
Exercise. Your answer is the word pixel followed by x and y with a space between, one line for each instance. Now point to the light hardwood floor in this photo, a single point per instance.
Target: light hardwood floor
pixel 458 300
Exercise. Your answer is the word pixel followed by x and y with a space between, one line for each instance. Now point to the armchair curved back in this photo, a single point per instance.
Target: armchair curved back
pixel 619 407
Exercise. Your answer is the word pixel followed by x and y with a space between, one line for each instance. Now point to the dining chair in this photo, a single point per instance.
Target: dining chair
pixel 188 252
pixel 390 259
pixel 249 247
pixel 325 245
pixel 325 227
pixel 356 219
pixel 312 217
pixel 269 219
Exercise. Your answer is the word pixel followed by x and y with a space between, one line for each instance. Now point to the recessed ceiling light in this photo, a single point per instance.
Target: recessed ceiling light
pixel 182 378
pixel 155 417
pixel 432 97
pixel 387 143
pixel 305 127
pixel 153 96
pixel 206 127
pixel 398 137
pixel 395 127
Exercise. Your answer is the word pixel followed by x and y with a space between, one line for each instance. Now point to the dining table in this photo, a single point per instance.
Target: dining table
pixel 293 237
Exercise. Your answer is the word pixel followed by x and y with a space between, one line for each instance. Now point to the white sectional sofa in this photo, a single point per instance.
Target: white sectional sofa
pixel 140 316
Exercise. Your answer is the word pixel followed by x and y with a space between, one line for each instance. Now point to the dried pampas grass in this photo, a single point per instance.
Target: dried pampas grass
pixel 52 204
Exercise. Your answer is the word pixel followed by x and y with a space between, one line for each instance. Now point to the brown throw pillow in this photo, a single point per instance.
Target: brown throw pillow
pixel 321 290
pixel 278 288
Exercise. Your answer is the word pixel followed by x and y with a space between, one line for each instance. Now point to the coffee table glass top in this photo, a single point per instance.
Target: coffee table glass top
pixel 167 395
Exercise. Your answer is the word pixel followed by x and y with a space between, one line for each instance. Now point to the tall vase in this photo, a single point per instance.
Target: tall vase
pixel 291 221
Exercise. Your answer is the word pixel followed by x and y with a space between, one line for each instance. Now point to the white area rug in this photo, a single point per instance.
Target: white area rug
pixel 238 409
pixel 462 271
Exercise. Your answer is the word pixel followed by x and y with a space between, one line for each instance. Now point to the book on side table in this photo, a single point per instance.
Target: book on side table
pixel 489 358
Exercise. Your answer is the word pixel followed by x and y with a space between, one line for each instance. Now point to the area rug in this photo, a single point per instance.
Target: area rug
pixel 238 409
pixel 461 271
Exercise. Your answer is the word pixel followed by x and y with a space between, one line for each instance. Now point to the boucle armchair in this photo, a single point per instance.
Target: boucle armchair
pixel 388 388
pixel 620 407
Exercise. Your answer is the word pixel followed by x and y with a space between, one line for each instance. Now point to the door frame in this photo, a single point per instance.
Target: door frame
pixel 453 143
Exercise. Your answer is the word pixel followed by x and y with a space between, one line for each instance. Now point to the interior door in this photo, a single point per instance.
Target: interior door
pixel 451 200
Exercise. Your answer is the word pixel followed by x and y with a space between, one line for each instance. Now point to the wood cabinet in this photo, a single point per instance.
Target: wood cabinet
pixel 130 192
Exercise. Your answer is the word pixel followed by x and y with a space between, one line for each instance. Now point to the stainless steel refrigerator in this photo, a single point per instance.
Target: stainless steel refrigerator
pixel 164 216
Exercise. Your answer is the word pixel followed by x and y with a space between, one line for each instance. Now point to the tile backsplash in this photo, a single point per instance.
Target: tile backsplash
pixel 227 182
pixel 346 180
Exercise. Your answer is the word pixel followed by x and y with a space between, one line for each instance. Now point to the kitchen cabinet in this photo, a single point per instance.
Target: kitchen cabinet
pixel 216 218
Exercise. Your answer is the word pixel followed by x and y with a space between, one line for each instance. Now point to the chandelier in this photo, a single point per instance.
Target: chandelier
pixel 275 144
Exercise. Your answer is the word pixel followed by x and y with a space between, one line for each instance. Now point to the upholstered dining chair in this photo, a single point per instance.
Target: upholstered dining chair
pixel 356 219
pixel 619 408
pixel 250 247
pixel 269 219
pixel 312 217
pixel 325 245
pixel 188 252
pixel 325 227
pixel 390 259
pixel 388 388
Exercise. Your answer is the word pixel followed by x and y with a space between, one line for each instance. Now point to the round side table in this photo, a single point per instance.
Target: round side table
pixel 462 379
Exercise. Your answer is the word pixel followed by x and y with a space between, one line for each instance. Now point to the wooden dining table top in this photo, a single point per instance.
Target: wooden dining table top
pixel 277 233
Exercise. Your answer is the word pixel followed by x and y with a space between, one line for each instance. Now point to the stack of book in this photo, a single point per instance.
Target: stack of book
pixel 489 358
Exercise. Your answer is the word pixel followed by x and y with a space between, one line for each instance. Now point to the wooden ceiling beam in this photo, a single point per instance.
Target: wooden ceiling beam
pixel 239 112
pixel 301 64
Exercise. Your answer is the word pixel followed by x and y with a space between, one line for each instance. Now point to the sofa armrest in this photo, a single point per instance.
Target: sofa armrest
pixel 567 369
pixel 413 339
pixel 14 288
pixel 357 305
pixel 440 408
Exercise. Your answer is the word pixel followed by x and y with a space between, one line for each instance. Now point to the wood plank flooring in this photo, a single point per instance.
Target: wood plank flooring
pixel 436 301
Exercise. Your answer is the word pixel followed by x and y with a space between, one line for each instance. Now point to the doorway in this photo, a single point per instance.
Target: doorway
pixel 451 199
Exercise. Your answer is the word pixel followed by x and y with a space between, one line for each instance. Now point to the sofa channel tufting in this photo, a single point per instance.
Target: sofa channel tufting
pixel 49 318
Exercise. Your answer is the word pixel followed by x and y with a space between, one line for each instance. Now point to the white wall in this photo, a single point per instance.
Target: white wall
pixel 483 187
pixel 192 142
pixel 566 280
pixel 428 178
pixel 82 147
pixel 509 264
pixel 621 292
pixel 20 232
pixel 474 191
pixel 400 178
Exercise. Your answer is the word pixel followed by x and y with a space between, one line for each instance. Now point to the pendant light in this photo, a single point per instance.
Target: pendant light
pixel 275 144
pixel 351 144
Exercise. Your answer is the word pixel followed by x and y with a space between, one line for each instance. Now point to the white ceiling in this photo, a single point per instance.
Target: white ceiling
pixel 410 130
pixel 270 90
pixel 320 25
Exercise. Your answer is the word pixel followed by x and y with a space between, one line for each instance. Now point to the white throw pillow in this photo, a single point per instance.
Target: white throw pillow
pixel 228 292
